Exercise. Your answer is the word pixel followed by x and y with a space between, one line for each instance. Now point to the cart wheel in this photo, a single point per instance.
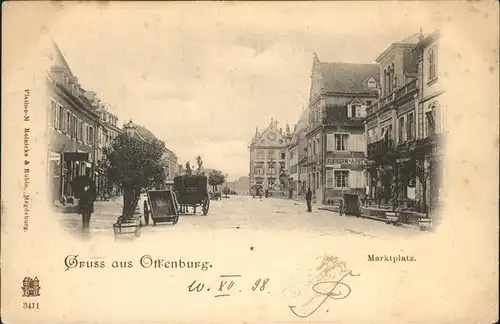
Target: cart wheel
pixel 146 213
pixel 176 219
pixel 206 205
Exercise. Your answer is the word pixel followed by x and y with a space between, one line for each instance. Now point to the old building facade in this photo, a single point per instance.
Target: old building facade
pixel 72 125
pixel 296 154
pixel 339 95
pixel 395 126
pixel 108 131
pixel 268 159
pixel 432 129
pixel 171 163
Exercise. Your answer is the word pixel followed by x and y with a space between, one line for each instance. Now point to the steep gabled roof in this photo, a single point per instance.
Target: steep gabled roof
pixel 262 139
pixel 144 132
pixel 59 59
pixel 348 77
pixel 412 40
pixel 355 101
pixel 301 127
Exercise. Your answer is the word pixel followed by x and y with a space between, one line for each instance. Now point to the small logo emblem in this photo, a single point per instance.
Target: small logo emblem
pixel 31 287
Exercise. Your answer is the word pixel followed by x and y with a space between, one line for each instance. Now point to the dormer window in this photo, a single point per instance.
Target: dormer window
pixel 372 84
pixel 356 109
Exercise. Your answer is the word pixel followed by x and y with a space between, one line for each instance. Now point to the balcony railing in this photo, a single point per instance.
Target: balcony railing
pixel 379 147
pixel 393 96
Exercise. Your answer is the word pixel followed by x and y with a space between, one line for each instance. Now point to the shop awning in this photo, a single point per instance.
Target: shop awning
pixel 76 156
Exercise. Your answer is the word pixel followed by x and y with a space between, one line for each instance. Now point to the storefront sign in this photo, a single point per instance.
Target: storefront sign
pixel 53 156
pixel 338 161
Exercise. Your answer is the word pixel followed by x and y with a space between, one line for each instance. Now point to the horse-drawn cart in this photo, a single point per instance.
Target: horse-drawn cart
pixel 191 191
pixel 161 206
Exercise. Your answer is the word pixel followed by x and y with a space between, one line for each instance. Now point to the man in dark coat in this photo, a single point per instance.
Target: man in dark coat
pixel 86 205
pixel 308 199
pixel 267 193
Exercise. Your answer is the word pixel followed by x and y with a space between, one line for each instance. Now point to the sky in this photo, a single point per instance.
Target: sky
pixel 203 76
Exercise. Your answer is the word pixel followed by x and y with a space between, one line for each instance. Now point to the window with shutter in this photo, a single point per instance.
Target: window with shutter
pixel 360 179
pixel 361 143
pixel 410 126
pixel 439 124
pixel 358 111
pixel 68 123
pixel 73 130
pixel 401 129
pixel 329 142
pixel 69 119
pixel 60 118
pixel 63 119
pixel 357 182
pixel 329 178
pixel 363 111
pixel 351 143
pixel 52 112
pixel 349 111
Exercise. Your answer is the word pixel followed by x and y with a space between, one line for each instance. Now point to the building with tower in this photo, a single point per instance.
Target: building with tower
pixel 268 159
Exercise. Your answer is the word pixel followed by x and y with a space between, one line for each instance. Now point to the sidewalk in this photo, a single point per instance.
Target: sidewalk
pixel 104 216
pixel 365 214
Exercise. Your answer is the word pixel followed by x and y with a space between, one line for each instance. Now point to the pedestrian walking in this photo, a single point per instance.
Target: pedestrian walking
pixel 267 193
pixel 86 205
pixel 308 199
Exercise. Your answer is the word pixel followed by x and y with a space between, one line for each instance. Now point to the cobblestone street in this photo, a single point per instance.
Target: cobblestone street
pixel 247 214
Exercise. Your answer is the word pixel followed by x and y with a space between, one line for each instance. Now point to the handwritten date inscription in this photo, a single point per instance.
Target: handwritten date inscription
pixel 229 284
